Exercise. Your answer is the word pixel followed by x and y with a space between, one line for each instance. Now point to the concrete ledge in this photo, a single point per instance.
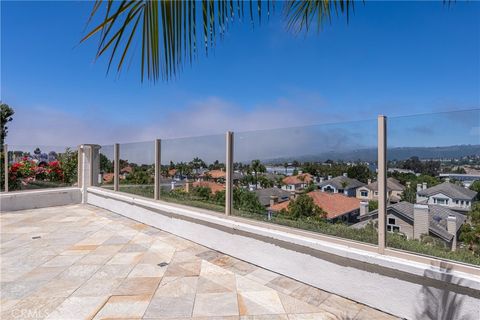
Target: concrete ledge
pixel 23 200
pixel 401 287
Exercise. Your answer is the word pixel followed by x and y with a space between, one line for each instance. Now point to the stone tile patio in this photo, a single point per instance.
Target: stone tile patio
pixel 82 262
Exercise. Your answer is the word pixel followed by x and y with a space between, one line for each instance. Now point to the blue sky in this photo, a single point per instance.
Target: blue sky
pixel 391 58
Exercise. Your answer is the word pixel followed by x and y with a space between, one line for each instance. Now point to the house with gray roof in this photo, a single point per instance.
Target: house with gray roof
pixel 416 220
pixel 270 196
pixel 370 191
pixel 447 194
pixel 341 184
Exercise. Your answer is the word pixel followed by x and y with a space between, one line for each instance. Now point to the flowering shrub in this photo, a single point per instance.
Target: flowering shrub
pixel 26 171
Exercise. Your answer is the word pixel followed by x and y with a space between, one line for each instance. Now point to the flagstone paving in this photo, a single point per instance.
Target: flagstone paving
pixel 89 263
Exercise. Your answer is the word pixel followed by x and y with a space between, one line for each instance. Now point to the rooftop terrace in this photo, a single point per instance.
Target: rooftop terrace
pixel 83 262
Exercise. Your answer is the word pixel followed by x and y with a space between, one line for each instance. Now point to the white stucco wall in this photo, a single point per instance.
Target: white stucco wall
pixel 402 287
pixel 23 200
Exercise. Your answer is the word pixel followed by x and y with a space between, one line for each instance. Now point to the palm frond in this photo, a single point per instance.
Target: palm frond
pixel 167 29
pixel 302 14
pixel 168 32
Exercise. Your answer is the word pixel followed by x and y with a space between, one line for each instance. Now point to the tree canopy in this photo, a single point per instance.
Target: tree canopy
pixel 6 115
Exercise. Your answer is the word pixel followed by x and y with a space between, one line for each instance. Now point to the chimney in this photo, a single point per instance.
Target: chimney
pixel 273 200
pixel 329 177
pixel 419 187
pixel 424 186
pixel 321 179
pixel 421 220
pixel 345 174
pixel 172 185
pixel 187 186
pixel 447 179
pixel 369 181
pixel 363 208
pixel 452 229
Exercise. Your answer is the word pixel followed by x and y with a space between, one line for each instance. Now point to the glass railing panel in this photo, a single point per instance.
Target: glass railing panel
pixel 106 177
pixel 39 167
pixel 193 171
pixel 307 177
pixel 436 158
pixel 137 168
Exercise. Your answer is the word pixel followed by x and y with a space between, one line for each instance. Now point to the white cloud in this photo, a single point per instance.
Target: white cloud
pixel 49 127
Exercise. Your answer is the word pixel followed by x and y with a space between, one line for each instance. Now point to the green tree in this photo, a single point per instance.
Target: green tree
pixel 6 116
pixel 247 201
pixel 204 193
pixel 476 187
pixel 295 164
pixel 372 205
pixel 265 182
pixel 304 206
pixel 257 167
pixel 470 231
pixel 360 172
pixel 68 163
pixel 409 194
pixel 105 164
pixel 286 167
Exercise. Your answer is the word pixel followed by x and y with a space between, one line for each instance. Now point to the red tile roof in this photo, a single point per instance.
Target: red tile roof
pixel 126 169
pixel 334 204
pixel 108 177
pixel 216 174
pixel 214 187
pixel 298 179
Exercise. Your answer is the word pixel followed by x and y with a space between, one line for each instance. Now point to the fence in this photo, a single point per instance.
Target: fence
pixel 337 179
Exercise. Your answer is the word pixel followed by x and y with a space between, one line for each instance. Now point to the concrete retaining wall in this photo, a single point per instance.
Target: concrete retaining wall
pixel 23 200
pixel 401 287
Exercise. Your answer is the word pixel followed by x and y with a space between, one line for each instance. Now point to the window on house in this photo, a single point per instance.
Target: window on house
pixel 364 193
pixel 440 201
pixel 391 225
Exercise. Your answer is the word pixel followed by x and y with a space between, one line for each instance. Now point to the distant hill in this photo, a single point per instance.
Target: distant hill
pixel 370 154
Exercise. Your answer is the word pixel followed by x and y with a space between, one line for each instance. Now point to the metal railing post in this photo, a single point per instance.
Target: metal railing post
pixel 116 166
pixel 229 174
pixel 158 168
pixel 382 182
pixel 5 155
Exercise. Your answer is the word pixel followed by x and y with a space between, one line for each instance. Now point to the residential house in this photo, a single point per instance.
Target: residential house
pixel 446 194
pixel 399 170
pixel 467 179
pixel 341 184
pixel 213 186
pixel 124 172
pixel 298 182
pixel 219 176
pixel 337 206
pixel 415 220
pixel 108 177
pixel 271 196
pixel 370 191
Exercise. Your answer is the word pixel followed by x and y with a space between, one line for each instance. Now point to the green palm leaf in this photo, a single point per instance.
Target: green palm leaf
pixel 168 33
